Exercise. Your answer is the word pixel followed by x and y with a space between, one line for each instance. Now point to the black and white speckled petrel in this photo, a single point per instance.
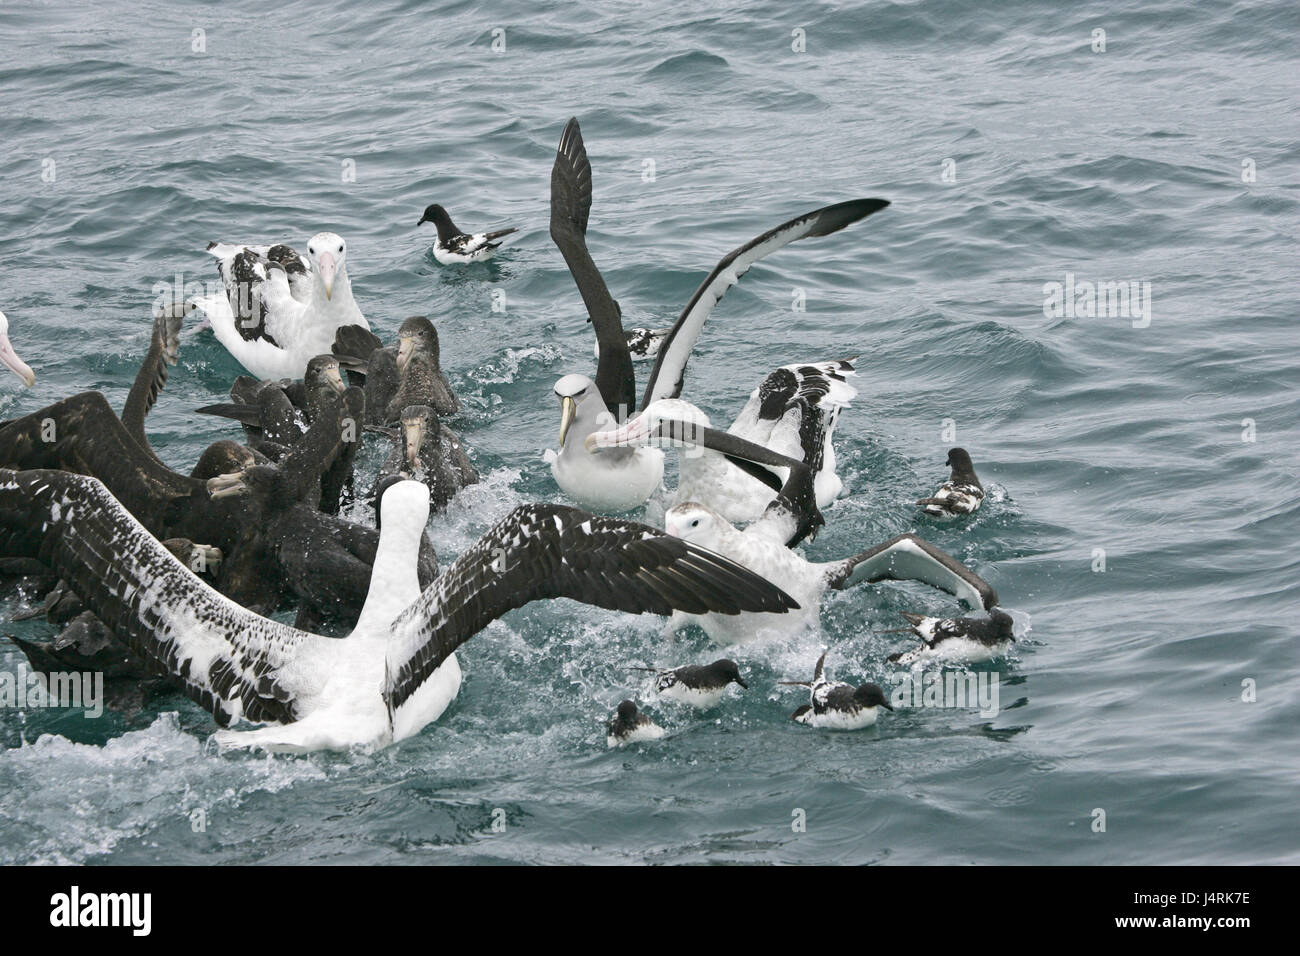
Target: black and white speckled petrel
pixel 454 245
pixel 961 494
pixel 839 706
pixel 968 639
pixel 630 726
pixel 700 685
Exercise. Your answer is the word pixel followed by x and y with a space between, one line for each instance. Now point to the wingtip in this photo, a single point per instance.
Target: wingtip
pixel 835 217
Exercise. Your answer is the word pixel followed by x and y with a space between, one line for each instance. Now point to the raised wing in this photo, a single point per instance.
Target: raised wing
pixel 551 551
pixel 227 658
pixel 570 207
pixel 670 365
pixel 164 349
pixel 910 558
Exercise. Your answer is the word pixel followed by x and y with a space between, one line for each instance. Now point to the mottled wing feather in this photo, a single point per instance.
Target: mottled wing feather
pixel 227 658
pixel 243 272
pixel 551 551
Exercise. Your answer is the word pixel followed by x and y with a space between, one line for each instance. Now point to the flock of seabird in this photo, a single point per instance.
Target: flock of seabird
pixel 166 581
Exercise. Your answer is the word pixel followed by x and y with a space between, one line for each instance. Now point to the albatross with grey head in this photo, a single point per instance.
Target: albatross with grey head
pixel 578 469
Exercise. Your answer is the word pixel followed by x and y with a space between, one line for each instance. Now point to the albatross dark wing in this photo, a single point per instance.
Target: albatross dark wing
pixel 670 364
pixel 227 658
pixel 82 433
pixel 550 551
pixel 164 349
pixel 570 207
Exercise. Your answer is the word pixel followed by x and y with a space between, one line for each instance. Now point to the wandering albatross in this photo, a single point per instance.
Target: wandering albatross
pixel 397 671
pixel 280 308
pixel 765 546
pixel 622 479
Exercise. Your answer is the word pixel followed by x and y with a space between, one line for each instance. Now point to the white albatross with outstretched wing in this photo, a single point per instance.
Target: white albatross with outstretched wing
pixel 397 671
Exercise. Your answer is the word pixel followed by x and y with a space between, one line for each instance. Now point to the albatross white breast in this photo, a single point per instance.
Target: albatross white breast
pixel 281 308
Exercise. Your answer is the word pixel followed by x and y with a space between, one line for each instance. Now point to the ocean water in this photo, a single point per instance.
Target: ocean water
pixel 1015 155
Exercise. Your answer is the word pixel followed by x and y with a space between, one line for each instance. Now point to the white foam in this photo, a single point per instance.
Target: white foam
pixel 67 803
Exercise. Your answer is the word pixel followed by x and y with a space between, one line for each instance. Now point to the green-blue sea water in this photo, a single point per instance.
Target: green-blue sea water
pixel 1014 151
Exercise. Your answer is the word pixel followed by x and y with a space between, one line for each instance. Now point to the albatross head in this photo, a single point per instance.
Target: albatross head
pixel 416 334
pixel 580 405
pixel 10 357
pixel 697 524
pixel 327 253
pixel 419 424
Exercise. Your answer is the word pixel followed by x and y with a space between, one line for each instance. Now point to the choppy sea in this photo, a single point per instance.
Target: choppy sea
pixel 1142 516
